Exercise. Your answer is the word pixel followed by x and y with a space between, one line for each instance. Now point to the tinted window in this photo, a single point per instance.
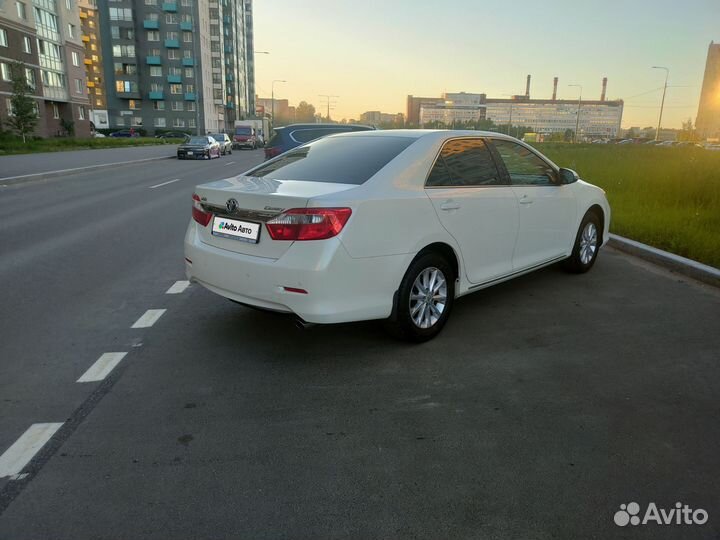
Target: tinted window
pixel 276 139
pixel 464 162
pixel 523 166
pixel 198 140
pixel 219 137
pixel 307 135
pixel 342 160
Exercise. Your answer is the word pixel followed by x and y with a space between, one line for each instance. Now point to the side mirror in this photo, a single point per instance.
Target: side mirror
pixel 568 176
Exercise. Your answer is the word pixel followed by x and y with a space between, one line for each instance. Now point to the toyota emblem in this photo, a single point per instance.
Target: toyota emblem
pixel 231 205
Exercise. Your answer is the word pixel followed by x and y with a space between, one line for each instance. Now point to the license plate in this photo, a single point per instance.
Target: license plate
pixel 189 153
pixel 245 231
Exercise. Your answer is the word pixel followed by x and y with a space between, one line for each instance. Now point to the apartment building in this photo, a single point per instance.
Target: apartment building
pixel 45 35
pixel 708 117
pixel 94 72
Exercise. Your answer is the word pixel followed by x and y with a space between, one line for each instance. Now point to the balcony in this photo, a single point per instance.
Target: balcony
pixel 189 96
pixel 87 62
pixel 188 61
pixel 228 48
pixel 170 6
pixel 187 26
pixel 230 105
pixel 85 38
pixel 229 77
pixel 151 25
pixel 174 79
pixel 90 84
pixel 172 43
pixel 158 94
pixel 153 60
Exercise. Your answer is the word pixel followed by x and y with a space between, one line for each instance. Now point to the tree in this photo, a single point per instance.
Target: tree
pixel 24 109
pixel 688 132
pixel 305 112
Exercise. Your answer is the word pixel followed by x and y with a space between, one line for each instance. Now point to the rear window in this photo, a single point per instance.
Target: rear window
pixel 198 140
pixel 218 136
pixel 243 130
pixel 307 135
pixel 339 160
pixel 276 139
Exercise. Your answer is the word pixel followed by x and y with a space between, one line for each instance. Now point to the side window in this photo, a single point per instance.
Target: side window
pixel 523 166
pixel 464 162
pixel 307 135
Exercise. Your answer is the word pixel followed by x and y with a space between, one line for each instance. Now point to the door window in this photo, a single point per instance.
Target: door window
pixel 523 166
pixel 464 162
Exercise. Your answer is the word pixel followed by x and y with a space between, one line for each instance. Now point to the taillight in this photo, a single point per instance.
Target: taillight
pixel 198 214
pixel 308 223
pixel 272 151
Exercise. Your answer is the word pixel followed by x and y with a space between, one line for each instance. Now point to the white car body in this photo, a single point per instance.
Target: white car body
pixel 494 233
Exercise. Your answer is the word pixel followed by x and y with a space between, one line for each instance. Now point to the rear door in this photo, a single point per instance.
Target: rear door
pixel 476 206
pixel 546 208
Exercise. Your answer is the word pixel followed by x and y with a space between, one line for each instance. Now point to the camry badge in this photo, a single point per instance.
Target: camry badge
pixel 231 205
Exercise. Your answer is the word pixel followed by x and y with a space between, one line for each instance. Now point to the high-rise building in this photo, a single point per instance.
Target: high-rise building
pixel 44 35
pixel 708 117
pixel 90 28
pixel 176 64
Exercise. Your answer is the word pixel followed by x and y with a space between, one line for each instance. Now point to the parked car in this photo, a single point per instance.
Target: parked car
pixel 713 147
pixel 125 133
pixel 98 135
pixel 173 135
pixel 383 225
pixel 224 141
pixel 287 137
pixel 199 147
pixel 245 137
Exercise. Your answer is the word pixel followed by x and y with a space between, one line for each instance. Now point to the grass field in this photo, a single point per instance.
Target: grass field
pixel 666 197
pixel 13 145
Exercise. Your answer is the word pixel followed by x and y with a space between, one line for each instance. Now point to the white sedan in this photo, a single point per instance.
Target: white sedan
pixel 390 225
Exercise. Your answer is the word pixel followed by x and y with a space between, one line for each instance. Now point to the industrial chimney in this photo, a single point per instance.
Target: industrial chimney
pixel 602 96
pixel 555 81
pixel 527 87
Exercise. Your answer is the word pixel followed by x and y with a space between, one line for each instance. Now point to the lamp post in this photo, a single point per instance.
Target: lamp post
pixel 662 103
pixel 272 98
pixel 577 120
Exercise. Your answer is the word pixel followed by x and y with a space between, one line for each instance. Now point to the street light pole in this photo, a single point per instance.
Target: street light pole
pixel 577 120
pixel 662 103
pixel 272 98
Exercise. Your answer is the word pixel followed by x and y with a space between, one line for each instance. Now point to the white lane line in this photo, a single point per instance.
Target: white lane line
pixel 229 163
pixel 149 318
pixel 102 367
pixel 165 183
pixel 13 461
pixel 178 287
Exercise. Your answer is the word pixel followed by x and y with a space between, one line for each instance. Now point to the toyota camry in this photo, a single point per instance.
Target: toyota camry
pixel 392 225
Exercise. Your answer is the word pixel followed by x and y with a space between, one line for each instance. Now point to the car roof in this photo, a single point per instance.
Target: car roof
pixel 439 134
pixel 324 125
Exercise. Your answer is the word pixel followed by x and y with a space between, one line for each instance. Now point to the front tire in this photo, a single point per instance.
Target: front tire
pixel 587 244
pixel 424 299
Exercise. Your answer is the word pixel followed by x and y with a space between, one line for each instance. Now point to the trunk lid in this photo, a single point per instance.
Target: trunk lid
pixel 258 200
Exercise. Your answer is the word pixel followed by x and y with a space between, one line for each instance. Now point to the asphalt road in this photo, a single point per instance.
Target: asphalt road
pixel 545 404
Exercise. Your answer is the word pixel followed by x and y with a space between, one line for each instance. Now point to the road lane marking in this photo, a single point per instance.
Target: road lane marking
pixel 178 287
pixel 229 163
pixel 149 318
pixel 102 367
pixel 13 461
pixel 165 183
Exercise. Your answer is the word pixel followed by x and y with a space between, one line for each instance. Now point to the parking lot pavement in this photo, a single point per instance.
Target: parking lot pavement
pixel 545 404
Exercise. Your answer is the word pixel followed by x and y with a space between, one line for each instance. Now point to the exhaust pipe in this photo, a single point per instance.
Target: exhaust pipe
pixel 303 325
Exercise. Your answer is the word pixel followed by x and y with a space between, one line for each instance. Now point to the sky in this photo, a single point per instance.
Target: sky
pixel 373 53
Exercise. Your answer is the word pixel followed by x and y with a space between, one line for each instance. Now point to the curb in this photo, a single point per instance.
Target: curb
pixel 9 180
pixel 701 272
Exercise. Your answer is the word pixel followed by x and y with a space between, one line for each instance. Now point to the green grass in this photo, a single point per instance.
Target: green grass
pixel 12 145
pixel 665 197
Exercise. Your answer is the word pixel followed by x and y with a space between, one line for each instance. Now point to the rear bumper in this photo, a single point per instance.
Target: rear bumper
pixel 340 288
pixel 202 154
pixel 243 144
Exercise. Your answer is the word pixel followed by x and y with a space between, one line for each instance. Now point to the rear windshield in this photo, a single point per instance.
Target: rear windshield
pixel 276 139
pixel 218 136
pixel 198 140
pixel 340 160
pixel 243 130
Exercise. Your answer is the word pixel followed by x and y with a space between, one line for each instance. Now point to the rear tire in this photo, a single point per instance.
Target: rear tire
pixel 424 299
pixel 587 244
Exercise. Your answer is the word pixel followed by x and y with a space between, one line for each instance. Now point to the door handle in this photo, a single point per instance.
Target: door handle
pixel 525 200
pixel 449 205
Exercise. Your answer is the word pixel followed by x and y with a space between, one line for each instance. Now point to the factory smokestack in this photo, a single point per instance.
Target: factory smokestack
pixel 604 89
pixel 527 87
pixel 555 81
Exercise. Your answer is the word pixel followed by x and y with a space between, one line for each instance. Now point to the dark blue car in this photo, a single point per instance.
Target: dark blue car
pixel 286 137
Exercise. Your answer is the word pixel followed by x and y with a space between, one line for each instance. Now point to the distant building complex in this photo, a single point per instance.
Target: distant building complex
pixel 708 117
pixel 45 36
pixel 377 118
pixel 593 118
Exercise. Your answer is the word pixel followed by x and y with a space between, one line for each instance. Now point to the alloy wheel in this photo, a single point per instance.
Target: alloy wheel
pixel 428 297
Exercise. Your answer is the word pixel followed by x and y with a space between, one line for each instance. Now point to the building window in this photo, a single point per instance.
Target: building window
pixel 21 11
pixel 191 106
pixel 189 73
pixel 133 104
pixel 56 111
pixel 187 37
pixel 156 71
pixel 174 71
pixel 68 4
pixel 126 86
pixel 136 121
pixel 153 35
pixel 151 2
pixel 71 30
pixel 177 105
pixel 78 86
pixel 173 54
pixel 152 17
pixel 75 59
pixel 26 45
pixel 159 105
pixel 187 54
pixel 156 87
pixel 171 35
pixel 191 123
pixel 5 70
pixel 178 122
pixel 189 88
pixel 186 3
pixel 159 122
pixel 124 50
pixel 115 32
pixel 81 112
pixel 176 88
pixel 171 18
pixel 3 38
pixel 120 14
pixel 30 77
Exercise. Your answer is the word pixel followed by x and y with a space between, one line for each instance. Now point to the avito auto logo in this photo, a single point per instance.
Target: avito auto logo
pixel 629 514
